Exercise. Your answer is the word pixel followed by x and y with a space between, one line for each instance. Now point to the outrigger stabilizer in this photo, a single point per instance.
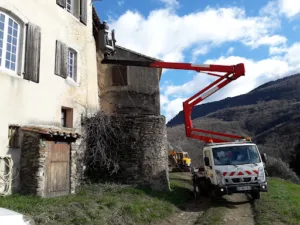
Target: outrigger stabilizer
pixel 230 73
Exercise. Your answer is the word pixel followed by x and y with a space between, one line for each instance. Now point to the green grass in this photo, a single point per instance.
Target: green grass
pixel 281 204
pixel 105 204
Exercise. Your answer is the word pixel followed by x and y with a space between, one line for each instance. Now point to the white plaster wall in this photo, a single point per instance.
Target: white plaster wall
pixel 23 102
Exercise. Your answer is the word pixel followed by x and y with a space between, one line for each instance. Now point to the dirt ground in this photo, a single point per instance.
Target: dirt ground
pixel 229 210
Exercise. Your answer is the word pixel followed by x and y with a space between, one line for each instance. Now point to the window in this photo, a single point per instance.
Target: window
pixel 11 33
pixel 70 6
pixel 14 136
pixel 119 76
pixel 65 61
pixel 71 64
pixel 67 117
pixel 9 41
pixel 77 8
pixel 63 117
pixel 236 155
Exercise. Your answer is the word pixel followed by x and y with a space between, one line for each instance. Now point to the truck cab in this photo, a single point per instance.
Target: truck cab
pixel 234 167
pixel 183 158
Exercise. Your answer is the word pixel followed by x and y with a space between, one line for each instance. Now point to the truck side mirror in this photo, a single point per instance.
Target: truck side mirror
pixel 264 157
pixel 206 161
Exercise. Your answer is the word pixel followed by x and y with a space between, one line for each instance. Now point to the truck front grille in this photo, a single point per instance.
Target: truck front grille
pixel 241 180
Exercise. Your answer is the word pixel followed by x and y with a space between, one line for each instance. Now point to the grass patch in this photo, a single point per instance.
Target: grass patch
pixel 280 204
pixel 106 204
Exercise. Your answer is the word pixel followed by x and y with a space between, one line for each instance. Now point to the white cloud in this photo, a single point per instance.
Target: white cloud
pixel 199 51
pixel 257 73
pixel 289 7
pixel 163 100
pixel 271 9
pixel 188 88
pixel 170 3
pixel 230 51
pixel 173 107
pixel 277 50
pixel 121 2
pixel 274 40
pixel 164 32
pixel 293 56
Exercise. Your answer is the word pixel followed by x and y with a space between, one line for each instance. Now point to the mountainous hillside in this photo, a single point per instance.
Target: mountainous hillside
pixel 270 114
pixel 287 88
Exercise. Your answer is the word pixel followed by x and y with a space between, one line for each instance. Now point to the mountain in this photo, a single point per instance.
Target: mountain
pixel 270 114
pixel 287 88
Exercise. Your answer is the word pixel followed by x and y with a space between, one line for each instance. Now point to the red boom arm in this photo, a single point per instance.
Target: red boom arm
pixel 231 73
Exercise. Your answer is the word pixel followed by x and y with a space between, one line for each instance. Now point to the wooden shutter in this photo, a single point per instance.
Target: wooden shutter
pixel 77 6
pixel 119 76
pixel 75 66
pixel 83 11
pixel 61 59
pixel 61 3
pixel 32 53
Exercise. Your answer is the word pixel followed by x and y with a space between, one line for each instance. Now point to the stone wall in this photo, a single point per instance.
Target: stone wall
pixel 140 96
pixel 32 164
pixel 77 164
pixel 142 152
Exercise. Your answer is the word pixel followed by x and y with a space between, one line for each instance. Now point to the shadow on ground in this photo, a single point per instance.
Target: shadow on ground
pixel 182 196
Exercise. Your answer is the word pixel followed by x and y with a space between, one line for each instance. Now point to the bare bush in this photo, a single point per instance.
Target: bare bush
pixel 278 168
pixel 103 135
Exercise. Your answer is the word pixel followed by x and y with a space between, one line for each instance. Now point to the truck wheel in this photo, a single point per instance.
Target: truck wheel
pixel 255 195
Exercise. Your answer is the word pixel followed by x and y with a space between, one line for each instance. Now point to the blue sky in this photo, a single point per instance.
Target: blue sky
pixel 262 34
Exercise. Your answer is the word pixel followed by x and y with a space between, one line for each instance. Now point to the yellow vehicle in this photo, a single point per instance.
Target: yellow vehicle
pixel 179 161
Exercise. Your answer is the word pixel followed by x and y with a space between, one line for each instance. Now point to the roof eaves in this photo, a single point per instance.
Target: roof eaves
pixel 52 131
pixel 137 53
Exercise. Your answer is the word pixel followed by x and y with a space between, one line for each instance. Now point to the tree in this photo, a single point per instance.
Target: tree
pixel 295 159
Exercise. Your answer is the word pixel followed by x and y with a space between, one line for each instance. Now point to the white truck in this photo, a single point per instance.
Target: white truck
pixel 231 167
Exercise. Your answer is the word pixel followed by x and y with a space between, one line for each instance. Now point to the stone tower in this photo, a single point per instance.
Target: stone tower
pixel 131 94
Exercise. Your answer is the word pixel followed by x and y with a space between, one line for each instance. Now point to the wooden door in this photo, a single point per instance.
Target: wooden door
pixel 57 172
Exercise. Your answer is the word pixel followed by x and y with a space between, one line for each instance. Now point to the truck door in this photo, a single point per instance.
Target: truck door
pixel 208 169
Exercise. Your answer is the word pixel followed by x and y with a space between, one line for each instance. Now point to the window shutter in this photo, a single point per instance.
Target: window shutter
pixel 77 6
pixel 119 76
pixel 32 53
pixel 83 11
pixel 75 66
pixel 61 3
pixel 61 59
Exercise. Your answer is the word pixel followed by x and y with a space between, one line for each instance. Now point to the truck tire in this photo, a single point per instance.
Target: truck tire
pixel 255 195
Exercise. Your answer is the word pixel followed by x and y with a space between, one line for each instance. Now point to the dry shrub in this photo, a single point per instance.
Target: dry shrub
pixel 103 136
pixel 278 168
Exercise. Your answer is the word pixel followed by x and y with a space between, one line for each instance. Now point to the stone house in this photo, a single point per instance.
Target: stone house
pixel 48 81
pixel 132 95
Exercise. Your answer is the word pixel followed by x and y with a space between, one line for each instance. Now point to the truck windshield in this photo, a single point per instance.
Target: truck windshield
pixel 236 155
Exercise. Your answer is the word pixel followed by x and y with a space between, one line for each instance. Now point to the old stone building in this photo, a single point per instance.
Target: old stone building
pixel 48 81
pixel 131 95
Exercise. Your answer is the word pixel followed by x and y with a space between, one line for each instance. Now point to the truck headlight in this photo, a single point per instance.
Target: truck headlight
pixel 220 178
pixel 261 175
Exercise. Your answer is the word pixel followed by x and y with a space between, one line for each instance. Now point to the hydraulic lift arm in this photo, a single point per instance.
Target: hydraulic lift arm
pixel 230 73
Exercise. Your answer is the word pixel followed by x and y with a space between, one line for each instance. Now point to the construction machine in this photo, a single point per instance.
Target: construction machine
pixel 231 163
pixel 179 161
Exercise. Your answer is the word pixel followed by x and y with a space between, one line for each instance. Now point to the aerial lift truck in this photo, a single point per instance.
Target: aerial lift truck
pixel 232 163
